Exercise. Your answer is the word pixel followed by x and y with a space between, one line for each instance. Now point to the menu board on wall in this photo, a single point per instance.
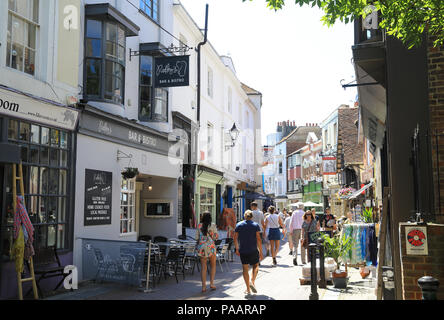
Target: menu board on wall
pixel 98 197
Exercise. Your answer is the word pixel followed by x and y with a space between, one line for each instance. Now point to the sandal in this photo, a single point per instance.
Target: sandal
pixel 213 288
pixel 204 290
pixel 253 288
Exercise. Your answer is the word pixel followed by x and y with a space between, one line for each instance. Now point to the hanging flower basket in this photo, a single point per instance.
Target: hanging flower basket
pixel 344 193
pixel 130 173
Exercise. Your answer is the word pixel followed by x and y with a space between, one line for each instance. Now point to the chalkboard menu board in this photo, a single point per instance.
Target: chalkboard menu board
pixel 98 196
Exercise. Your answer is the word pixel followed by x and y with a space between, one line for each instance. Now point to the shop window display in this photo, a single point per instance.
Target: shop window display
pixel 45 158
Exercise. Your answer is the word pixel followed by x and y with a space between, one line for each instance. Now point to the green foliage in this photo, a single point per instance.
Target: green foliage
pixel 337 247
pixel 367 214
pixel 407 20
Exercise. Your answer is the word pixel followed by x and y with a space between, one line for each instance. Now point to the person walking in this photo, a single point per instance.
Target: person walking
pixel 206 234
pixel 266 229
pixel 288 233
pixel 273 221
pixel 295 230
pixel 316 217
pixel 248 243
pixel 259 218
pixel 309 225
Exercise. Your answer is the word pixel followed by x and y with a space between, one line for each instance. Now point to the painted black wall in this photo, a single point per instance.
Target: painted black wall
pixel 407 107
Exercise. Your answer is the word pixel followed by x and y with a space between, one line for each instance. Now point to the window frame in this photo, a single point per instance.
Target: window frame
pixel 130 217
pixel 62 194
pixel 145 4
pixel 103 59
pixel 9 43
pixel 210 82
pixel 153 97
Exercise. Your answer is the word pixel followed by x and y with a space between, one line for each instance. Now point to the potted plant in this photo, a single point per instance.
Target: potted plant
pixel 130 173
pixel 336 247
pixel 367 215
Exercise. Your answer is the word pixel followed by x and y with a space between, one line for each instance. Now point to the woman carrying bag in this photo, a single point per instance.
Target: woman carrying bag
pixel 206 249
pixel 309 225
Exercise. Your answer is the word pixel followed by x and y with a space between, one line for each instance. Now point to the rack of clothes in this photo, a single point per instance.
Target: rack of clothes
pixel 364 249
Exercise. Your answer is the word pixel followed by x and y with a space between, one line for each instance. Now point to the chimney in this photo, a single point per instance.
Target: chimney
pixel 288 122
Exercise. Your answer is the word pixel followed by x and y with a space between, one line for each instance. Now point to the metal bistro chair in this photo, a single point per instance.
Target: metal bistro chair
pixel 191 256
pixel 175 260
pixel 47 265
pixel 221 255
pixel 230 250
pixel 154 263
pixel 145 238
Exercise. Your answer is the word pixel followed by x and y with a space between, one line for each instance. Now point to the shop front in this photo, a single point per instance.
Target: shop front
pixel 114 207
pixel 208 195
pixel 44 133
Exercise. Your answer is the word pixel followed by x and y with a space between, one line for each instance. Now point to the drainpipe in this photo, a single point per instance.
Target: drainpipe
pixel 198 64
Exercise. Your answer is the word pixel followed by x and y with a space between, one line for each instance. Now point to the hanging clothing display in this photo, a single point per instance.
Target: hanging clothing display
pixel 364 247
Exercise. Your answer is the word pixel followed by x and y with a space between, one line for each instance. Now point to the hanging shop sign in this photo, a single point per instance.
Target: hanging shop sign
pixel 171 71
pixel 17 105
pixel 416 240
pixel 98 196
pixel 328 166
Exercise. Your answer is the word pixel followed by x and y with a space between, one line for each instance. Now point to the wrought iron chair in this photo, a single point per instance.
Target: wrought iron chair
pixel 221 255
pixel 175 260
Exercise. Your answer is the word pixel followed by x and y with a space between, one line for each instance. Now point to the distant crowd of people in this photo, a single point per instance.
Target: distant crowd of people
pixel 263 228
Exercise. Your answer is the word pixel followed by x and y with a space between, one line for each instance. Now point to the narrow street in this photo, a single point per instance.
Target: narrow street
pixel 273 283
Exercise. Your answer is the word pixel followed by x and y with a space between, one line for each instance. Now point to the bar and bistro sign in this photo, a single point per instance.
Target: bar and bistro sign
pixel 13 104
pixel 171 71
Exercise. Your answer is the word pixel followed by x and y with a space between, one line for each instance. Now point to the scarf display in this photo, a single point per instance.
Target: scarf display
pixel 364 247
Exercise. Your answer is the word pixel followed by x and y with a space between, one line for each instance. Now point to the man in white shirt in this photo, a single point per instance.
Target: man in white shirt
pixel 295 229
pixel 288 233
pixel 258 217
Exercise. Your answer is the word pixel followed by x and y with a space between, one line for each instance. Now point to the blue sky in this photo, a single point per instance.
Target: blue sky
pixel 289 55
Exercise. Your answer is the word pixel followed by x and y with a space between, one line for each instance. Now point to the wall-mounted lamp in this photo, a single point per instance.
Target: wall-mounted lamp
pixel 234 134
pixel 150 186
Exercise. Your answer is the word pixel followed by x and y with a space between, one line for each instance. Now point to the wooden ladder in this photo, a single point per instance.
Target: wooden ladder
pixel 14 200
pixel 382 241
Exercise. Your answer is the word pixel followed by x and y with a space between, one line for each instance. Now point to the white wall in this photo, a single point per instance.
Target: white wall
pixel 44 83
pixel 101 155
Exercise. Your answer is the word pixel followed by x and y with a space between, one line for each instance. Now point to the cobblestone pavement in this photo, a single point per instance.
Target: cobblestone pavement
pixel 273 283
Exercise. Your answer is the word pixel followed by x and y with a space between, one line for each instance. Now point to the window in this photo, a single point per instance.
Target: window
pixel 23 19
pixel 210 82
pixel 150 8
pixel 128 206
pixel 45 154
pixel 104 61
pixel 206 199
pixel 210 133
pixel 230 99
pixel 280 167
pixel 150 96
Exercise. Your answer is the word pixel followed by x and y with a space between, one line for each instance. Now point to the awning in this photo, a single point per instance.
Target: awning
pixel 253 196
pixel 312 204
pixel 373 107
pixel 358 192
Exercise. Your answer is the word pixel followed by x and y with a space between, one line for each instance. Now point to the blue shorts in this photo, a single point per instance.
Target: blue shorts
pixel 274 234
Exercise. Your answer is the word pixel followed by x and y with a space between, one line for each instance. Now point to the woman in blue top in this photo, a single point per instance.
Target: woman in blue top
pixel 273 221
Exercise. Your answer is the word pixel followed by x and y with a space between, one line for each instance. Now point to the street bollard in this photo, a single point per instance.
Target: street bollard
pixel 322 282
pixel 314 281
pixel 429 287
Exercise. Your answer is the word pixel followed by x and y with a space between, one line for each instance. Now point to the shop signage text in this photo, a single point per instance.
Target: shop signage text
pixel 141 138
pixel 171 71
pixel 17 105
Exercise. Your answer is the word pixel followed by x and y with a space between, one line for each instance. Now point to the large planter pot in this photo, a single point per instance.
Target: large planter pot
pixel 340 279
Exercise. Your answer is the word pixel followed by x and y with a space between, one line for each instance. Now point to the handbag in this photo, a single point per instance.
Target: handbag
pixel 304 242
